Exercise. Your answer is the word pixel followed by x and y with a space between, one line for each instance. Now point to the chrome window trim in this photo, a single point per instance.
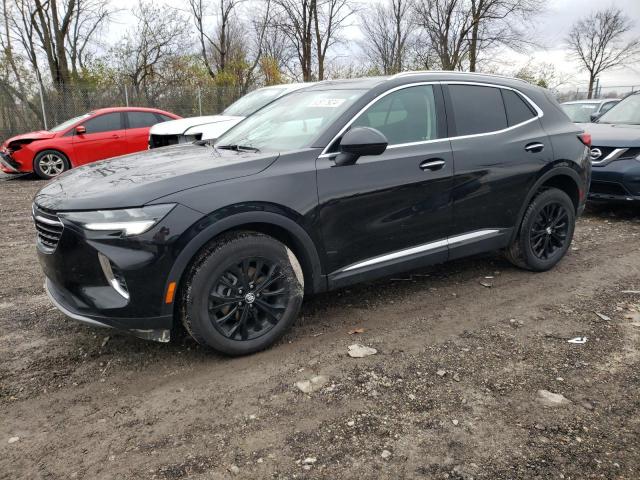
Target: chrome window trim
pixel 539 114
pixel 421 248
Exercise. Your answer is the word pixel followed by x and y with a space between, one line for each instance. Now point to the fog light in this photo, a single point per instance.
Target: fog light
pixel 113 276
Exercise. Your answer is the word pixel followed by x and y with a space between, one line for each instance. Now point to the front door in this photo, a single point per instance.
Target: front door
pixel 387 210
pixel 138 125
pixel 105 137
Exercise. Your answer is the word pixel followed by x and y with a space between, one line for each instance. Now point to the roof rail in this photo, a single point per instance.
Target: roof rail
pixel 454 72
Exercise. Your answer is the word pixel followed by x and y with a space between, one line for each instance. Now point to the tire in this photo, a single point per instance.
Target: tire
pixel 50 163
pixel 550 218
pixel 242 293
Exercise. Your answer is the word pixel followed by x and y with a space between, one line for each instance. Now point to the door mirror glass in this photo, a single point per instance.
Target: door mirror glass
pixel 358 142
pixel 594 116
pixel 80 130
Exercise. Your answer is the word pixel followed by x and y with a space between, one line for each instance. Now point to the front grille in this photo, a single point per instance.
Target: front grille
pixel 48 227
pixel 156 141
pixel 604 153
pixel 607 188
pixel 631 153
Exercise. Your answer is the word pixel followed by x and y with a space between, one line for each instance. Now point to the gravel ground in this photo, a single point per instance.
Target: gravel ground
pixel 451 393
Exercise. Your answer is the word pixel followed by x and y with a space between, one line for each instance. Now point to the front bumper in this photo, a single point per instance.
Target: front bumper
pixel 125 325
pixel 7 164
pixel 617 181
pixel 79 286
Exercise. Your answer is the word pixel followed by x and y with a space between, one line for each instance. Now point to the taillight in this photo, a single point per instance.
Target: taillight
pixel 585 138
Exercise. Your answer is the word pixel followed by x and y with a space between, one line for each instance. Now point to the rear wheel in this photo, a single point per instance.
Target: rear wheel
pixel 50 163
pixel 242 293
pixel 545 233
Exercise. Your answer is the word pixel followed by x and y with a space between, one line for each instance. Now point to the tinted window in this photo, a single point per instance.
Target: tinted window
pixel 477 109
pixel 104 123
pixel 164 118
pixel 518 110
pixel 141 119
pixel 404 116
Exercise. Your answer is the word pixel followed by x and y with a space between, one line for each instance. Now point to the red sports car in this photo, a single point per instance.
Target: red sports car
pixel 103 133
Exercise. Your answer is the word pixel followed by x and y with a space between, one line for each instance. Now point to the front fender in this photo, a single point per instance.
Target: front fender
pixel 234 217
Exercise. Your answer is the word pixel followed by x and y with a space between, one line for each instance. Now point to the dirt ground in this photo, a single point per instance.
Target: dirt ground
pixel 451 393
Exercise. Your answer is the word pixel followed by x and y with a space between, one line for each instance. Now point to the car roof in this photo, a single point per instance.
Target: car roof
pixel 421 76
pixel 126 109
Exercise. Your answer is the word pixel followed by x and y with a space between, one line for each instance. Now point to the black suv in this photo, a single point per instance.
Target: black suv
pixel 615 154
pixel 343 182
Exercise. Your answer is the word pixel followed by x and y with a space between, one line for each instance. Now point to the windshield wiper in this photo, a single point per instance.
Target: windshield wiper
pixel 239 148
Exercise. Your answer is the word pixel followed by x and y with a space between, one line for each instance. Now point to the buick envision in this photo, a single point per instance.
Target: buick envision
pixel 343 182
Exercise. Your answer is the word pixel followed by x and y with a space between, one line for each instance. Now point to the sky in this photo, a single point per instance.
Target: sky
pixel 551 28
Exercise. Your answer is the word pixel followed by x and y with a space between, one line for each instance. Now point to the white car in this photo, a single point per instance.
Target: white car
pixel 210 127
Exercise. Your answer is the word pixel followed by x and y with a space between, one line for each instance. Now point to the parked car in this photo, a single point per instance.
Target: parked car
pixel 615 154
pixel 210 127
pixel 343 182
pixel 581 111
pixel 103 133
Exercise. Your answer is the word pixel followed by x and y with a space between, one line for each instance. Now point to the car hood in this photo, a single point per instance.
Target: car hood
pixel 613 134
pixel 137 179
pixel 39 135
pixel 179 127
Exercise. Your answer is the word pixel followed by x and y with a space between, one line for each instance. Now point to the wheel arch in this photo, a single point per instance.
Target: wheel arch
pixel 44 148
pixel 276 225
pixel 562 177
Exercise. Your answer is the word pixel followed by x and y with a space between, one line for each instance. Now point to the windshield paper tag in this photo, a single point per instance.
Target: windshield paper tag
pixel 327 102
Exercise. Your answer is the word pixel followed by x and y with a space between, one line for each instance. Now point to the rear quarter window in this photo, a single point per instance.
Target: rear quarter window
pixel 477 109
pixel 517 108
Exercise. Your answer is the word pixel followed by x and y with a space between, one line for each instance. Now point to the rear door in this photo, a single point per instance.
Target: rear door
pixel 498 147
pixel 105 137
pixel 391 209
pixel 138 125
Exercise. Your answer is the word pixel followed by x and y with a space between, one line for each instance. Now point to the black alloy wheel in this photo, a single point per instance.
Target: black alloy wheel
pixel 248 299
pixel 242 293
pixel 545 233
pixel 550 230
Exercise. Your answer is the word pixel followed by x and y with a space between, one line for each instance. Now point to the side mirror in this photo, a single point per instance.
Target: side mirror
pixel 594 116
pixel 80 130
pixel 358 142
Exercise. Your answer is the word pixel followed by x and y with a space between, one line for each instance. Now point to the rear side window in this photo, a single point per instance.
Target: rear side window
pixel 477 109
pixel 404 116
pixel 141 119
pixel 164 118
pixel 518 110
pixel 104 123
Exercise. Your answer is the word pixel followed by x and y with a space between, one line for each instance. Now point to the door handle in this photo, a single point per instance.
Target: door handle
pixel 115 136
pixel 534 147
pixel 432 164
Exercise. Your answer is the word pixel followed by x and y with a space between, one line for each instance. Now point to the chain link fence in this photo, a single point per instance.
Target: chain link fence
pixel 45 108
pixel 602 91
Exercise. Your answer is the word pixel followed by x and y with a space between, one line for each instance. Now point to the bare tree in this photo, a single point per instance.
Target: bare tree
pixel 330 17
pixel 59 30
pixel 599 42
pixel 447 24
pixel 155 40
pixel 295 19
pixel 388 30
pixel 497 23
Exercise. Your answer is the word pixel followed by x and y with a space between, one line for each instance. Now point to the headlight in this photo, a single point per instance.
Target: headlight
pixel 130 221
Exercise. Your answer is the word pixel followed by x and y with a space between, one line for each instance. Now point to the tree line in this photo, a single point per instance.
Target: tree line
pixel 67 49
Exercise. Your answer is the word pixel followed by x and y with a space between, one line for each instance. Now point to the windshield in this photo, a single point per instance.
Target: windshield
pixel 627 111
pixel 253 102
pixel 292 122
pixel 580 112
pixel 68 123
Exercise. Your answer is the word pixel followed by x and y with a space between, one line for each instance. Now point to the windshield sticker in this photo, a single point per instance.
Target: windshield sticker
pixel 327 102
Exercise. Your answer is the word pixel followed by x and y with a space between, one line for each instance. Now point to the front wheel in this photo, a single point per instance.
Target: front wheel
pixel 50 163
pixel 242 293
pixel 545 233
